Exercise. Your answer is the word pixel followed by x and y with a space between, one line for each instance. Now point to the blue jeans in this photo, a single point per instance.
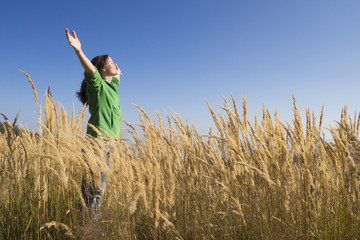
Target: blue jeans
pixel 92 194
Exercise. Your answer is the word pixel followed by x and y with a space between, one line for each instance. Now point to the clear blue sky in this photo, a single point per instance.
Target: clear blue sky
pixel 174 54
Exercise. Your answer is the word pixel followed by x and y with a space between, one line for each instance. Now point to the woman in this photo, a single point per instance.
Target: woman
pixel 98 91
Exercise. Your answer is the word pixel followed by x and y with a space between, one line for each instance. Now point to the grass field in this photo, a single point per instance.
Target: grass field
pixel 243 180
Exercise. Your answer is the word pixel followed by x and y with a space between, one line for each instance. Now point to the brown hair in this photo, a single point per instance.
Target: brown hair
pixel 99 62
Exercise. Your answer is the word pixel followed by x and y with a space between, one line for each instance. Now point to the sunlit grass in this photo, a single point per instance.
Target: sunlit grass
pixel 243 180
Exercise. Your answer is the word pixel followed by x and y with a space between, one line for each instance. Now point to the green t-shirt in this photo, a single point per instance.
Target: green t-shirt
pixel 104 107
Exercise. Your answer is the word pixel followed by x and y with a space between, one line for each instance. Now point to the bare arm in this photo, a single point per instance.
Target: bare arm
pixel 75 43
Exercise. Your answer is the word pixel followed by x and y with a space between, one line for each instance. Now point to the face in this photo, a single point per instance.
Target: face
pixel 111 68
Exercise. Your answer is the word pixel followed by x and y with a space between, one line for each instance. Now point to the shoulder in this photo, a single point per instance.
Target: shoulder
pixel 95 75
pixel 115 81
pixel 93 81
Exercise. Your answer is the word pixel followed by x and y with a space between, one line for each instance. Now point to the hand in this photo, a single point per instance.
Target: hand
pixel 73 41
pixel 118 71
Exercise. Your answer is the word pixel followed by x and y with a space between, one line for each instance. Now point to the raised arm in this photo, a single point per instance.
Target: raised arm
pixel 75 43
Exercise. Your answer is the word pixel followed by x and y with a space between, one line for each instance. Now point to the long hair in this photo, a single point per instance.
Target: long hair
pixel 99 62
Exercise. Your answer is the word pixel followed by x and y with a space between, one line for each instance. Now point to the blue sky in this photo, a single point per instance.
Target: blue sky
pixel 174 54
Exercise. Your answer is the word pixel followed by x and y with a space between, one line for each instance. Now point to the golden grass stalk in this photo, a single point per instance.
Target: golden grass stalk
pixel 261 180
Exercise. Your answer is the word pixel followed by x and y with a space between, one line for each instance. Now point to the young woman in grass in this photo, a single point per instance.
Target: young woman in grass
pixel 98 91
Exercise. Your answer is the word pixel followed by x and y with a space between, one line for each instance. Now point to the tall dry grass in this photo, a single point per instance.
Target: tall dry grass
pixel 243 180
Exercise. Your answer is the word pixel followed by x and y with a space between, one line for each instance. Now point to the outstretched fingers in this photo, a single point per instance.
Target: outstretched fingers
pixel 67 34
pixel 73 40
pixel 74 33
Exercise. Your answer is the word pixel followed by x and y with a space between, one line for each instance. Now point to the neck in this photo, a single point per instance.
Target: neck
pixel 108 78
